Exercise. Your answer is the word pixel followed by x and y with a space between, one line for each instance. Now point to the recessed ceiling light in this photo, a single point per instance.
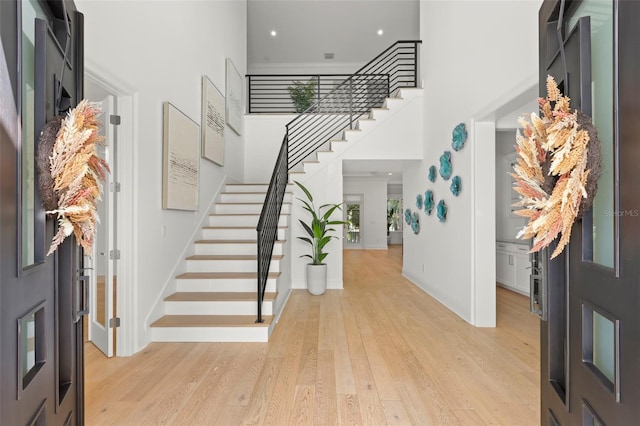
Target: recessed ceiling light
pixel 273 33
pixel 390 173
pixel 380 32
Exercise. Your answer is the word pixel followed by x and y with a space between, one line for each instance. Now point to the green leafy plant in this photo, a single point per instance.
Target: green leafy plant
pixel 319 227
pixel 302 94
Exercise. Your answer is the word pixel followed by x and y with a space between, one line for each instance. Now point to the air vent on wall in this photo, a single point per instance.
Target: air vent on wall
pixel 328 55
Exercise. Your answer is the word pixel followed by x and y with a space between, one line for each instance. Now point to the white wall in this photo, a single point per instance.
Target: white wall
pixel 263 138
pixel 307 68
pixel 159 51
pixel 472 53
pixel 374 210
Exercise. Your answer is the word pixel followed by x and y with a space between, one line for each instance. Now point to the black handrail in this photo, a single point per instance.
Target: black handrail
pixel 267 228
pixel 356 95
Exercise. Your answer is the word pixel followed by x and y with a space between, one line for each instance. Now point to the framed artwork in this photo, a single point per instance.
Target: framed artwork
pixel 181 159
pixel 212 123
pixel 234 97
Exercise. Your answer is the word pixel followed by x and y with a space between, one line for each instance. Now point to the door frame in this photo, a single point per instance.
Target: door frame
pixel 482 133
pixel 126 101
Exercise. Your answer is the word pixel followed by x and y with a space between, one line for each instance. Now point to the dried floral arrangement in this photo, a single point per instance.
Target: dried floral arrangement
pixel 557 170
pixel 76 172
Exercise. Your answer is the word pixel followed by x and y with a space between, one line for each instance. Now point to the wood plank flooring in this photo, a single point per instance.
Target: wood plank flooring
pixel 378 352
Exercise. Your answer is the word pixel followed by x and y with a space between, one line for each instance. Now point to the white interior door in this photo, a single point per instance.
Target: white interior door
pixel 353 235
pixel 103 259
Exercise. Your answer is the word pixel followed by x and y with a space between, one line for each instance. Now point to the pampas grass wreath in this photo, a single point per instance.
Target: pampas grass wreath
pixel 557 170
pixel 70 173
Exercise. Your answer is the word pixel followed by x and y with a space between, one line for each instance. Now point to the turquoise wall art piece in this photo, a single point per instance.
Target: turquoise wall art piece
pixel 432 173
pixel 419 201
pixel 442 211
pixel 407 216
pixel 428 202
pixel 459 137
pixel 445 165
pixel 415 223
pixel 456 185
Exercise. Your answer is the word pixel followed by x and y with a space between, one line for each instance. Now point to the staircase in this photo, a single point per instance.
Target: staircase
pixel 337 146
pixel 215 299
pixel 233 265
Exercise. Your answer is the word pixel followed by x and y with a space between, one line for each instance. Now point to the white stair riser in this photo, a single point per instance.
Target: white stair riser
pixel 228 266
pixel 210 334
pixel 258 187
pixel 235 233
pixel 366 125
pixel 378 114
pixel 248 307
pixel 232 248
pixel 245 197
pixel 235 219
pixel 252 208
pixel 223 285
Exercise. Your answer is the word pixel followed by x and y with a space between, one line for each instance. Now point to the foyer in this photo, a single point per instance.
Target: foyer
pixel 380 351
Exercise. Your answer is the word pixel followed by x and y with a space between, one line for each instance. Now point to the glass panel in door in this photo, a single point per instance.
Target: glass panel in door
pixel 103 259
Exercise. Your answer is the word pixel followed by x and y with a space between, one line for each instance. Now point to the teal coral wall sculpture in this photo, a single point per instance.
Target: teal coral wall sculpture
pixel 415 223
pixel 428 202
pixel 445 165
pixel 419 201
pixel 459 137
pixel 456 185
pixel 407 216
pixel 432 173
pixel 442 211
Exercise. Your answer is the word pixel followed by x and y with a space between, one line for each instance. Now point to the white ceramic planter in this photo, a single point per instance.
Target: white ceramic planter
pixel 316 278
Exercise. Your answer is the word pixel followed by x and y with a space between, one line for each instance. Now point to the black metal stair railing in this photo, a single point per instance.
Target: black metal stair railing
pixel 269 93
pixel 394 68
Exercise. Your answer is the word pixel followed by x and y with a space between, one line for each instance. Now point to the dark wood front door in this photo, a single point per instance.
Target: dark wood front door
pixel 590 297
pixel 41 296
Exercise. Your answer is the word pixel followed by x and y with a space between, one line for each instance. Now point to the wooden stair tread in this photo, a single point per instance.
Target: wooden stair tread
pixel 230 257
pixel 237 227
pixel 248 184
pixel 211 321
pixel 248 193
pixel 234 241
pixel 212 296
pixel 246 214
pixel 223 275
pixel 231 202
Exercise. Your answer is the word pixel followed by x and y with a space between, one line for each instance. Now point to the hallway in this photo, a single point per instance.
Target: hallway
pixel 380 351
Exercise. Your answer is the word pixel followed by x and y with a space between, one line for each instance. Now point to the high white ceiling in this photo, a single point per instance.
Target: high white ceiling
pixel 307 29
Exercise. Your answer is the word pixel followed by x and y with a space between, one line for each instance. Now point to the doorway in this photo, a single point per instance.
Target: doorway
pixel 111 323
pixel 102 319
pixel 353 230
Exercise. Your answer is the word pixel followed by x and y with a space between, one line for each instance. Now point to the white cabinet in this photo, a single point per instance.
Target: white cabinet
pixel 504 268
pixel 513 266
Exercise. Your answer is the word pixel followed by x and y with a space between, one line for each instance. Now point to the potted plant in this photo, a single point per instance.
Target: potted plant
pixel 318 229
pixel 302 94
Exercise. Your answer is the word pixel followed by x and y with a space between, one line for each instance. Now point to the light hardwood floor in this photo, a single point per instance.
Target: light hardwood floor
pixel 378 352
